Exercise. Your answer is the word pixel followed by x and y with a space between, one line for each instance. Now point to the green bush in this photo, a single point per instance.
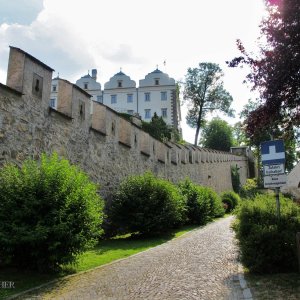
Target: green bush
pixel 147 205
pixel 49 212
pixel 267 244
pixel 249 189
pixel 231 200
pixel 203 204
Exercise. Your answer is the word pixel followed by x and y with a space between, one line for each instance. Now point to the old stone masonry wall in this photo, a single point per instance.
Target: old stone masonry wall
pixel 106 146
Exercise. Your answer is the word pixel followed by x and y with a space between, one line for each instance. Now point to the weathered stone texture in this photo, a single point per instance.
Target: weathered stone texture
pixel 107 147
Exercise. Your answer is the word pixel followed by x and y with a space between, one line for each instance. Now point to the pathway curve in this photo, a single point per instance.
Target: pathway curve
pixel 199 265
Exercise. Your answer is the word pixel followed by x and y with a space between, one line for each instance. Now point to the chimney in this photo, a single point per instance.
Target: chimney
pixel 94 74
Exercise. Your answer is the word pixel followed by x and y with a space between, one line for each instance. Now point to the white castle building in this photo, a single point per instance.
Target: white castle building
pixel 156 94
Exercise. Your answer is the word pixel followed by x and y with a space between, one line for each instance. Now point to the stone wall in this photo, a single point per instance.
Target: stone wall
pixel 106 146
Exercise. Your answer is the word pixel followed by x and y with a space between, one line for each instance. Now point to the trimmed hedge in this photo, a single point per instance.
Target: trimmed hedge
pixel 49 211
pixel 267 244
pixel 230 200
pixel 147 205
pixel 203 204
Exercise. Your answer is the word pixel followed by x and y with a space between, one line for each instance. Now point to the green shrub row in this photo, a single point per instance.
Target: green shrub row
pixel 50 211
pixel 149 205
pixel 268 244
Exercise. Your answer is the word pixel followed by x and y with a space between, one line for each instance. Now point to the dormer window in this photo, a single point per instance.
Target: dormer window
pixel 53 88
pixel 156 81
pixel 119 83
pixel 85 85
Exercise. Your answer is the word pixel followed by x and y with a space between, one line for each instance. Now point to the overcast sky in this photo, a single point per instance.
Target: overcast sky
pixel 73 37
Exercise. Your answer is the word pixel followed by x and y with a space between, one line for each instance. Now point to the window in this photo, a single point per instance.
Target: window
pixel 86 85
pixel 147 113
pixel 119 83
pixel 129 98
pixel 82 109
pixel 53 103
pixel 37 85
pixel 130 112
pixel 164 112
pixel 113 99
pixel 147 96
pixel 53 88
pixel 99 99
pixel 163 96
pixel 156 81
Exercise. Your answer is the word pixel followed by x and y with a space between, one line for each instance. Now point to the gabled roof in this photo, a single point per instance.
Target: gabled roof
pixel 32 58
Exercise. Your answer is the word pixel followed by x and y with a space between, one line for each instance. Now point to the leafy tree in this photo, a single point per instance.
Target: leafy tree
pixel 239 134
pixel 274 131
pixel 217 135
pixel 275 73
pixel 205 93
pixel 157 128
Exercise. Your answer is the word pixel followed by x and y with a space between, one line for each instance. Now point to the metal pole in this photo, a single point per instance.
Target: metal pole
pixel 278 202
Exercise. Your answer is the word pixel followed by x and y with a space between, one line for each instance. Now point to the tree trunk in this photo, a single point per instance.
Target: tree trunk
pixel 198 126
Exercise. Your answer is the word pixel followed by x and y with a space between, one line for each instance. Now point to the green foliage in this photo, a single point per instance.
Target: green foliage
pixel 249 189
pixel 126 116
pixel 49 213
pixel 239 134
pixel 268 245
pixel 147 205
pixel 235 178
pixel 157 128
pixel 231 200
pixel 203 204
pixel 217 134
pixel 270 132
pixel 205 93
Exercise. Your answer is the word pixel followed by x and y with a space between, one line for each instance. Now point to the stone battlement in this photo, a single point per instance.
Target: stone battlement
pixel 104 144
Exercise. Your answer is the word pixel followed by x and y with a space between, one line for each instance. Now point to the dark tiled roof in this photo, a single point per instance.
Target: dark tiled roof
pixel 157 71
pixel 87 76
pixel 10 89
pixel 120 73
pixel 33 58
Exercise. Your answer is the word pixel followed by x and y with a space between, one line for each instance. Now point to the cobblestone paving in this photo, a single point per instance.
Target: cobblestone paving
pixel 199 265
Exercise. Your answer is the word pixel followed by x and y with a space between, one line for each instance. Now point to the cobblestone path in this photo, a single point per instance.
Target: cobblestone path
pixel 199 265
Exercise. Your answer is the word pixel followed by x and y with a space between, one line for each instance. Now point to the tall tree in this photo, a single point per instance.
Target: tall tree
pixel 217 135
pixel 204 93
pixel 276 72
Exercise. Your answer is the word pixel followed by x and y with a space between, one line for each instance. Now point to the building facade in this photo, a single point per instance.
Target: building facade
pixel 157 93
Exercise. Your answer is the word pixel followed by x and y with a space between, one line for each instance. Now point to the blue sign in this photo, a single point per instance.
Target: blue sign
pixel 272 152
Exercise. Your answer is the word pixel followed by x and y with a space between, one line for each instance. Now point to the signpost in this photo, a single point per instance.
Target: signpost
pixel 273 160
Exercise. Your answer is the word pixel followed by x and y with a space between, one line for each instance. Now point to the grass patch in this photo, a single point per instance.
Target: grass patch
pixel 105 252
pixel 274 286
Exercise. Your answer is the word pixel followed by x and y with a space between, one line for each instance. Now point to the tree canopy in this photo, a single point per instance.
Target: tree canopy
pixel 157 128
pixel 217 135
pixel 204 93
pixel 276 72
